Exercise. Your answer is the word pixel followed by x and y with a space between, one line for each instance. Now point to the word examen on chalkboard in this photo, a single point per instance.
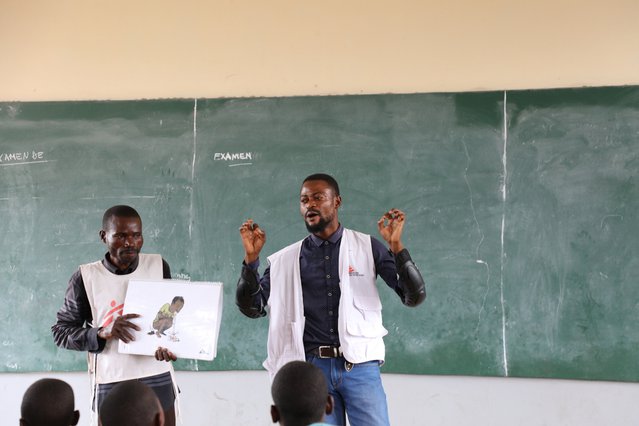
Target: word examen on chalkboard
pixel 521 211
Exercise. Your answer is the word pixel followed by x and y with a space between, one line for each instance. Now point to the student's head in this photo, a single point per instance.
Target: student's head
pixel 319 201
pixel 122 234
pixel 300 395
pixel 131 403
pixel 48 402
pixel 177 304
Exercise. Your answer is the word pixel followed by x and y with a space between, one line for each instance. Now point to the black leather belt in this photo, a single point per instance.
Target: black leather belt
pixel 326 352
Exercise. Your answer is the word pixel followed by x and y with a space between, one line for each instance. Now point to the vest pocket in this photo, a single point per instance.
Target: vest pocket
pixel 369 307
pixel 366 320
pixel 366 329
pixel 367 303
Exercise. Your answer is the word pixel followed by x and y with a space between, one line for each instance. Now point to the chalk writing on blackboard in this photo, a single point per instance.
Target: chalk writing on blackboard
pixel 232 156
pixel 234 159
pixel 25 157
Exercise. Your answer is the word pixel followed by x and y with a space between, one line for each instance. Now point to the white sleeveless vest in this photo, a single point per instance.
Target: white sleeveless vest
pixel 106 292
pixel 360 310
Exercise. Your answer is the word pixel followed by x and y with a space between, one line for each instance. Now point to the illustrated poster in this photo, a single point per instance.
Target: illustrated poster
pixel 181 316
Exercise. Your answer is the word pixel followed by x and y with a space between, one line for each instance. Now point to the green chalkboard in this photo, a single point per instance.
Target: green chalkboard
pixel 571 224
pixel 521 210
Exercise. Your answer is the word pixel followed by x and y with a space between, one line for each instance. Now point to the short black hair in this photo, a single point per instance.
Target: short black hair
pixel 48 402
pixel 130 403
pixel 326 178
pixel 300 393
pixel 177 299
pixel 118 211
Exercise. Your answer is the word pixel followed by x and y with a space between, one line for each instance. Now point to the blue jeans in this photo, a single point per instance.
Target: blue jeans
pixel 358 392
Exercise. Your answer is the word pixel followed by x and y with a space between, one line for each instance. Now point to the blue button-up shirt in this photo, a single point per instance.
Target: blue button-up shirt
pixel 319 270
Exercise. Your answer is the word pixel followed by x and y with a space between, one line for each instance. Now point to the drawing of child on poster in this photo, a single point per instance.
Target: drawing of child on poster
pixel 165 318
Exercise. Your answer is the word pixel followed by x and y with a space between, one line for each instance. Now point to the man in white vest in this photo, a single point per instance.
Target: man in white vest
pixel 91 316
pixel 323 303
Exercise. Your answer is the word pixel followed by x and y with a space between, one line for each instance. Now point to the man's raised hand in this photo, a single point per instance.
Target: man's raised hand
pixel 253 239
pixel 390 227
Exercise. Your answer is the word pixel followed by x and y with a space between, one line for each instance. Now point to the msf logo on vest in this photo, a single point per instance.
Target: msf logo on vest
pixel 111 316
pixel 353 272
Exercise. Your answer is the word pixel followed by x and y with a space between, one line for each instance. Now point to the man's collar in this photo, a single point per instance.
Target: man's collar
pixel 115 270
pixel 333 239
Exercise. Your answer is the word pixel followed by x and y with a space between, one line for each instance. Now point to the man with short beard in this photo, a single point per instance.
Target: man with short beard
pixel 324 307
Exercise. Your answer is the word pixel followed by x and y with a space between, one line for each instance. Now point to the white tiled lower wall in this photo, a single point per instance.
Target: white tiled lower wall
pixel 243 398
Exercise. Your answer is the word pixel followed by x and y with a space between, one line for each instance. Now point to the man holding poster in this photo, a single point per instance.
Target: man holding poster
pixel 91 316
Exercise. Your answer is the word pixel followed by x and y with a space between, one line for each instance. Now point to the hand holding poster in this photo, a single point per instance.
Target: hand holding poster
pixel 181 316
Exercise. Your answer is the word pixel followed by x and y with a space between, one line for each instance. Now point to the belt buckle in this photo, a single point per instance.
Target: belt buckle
pixel 328 352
